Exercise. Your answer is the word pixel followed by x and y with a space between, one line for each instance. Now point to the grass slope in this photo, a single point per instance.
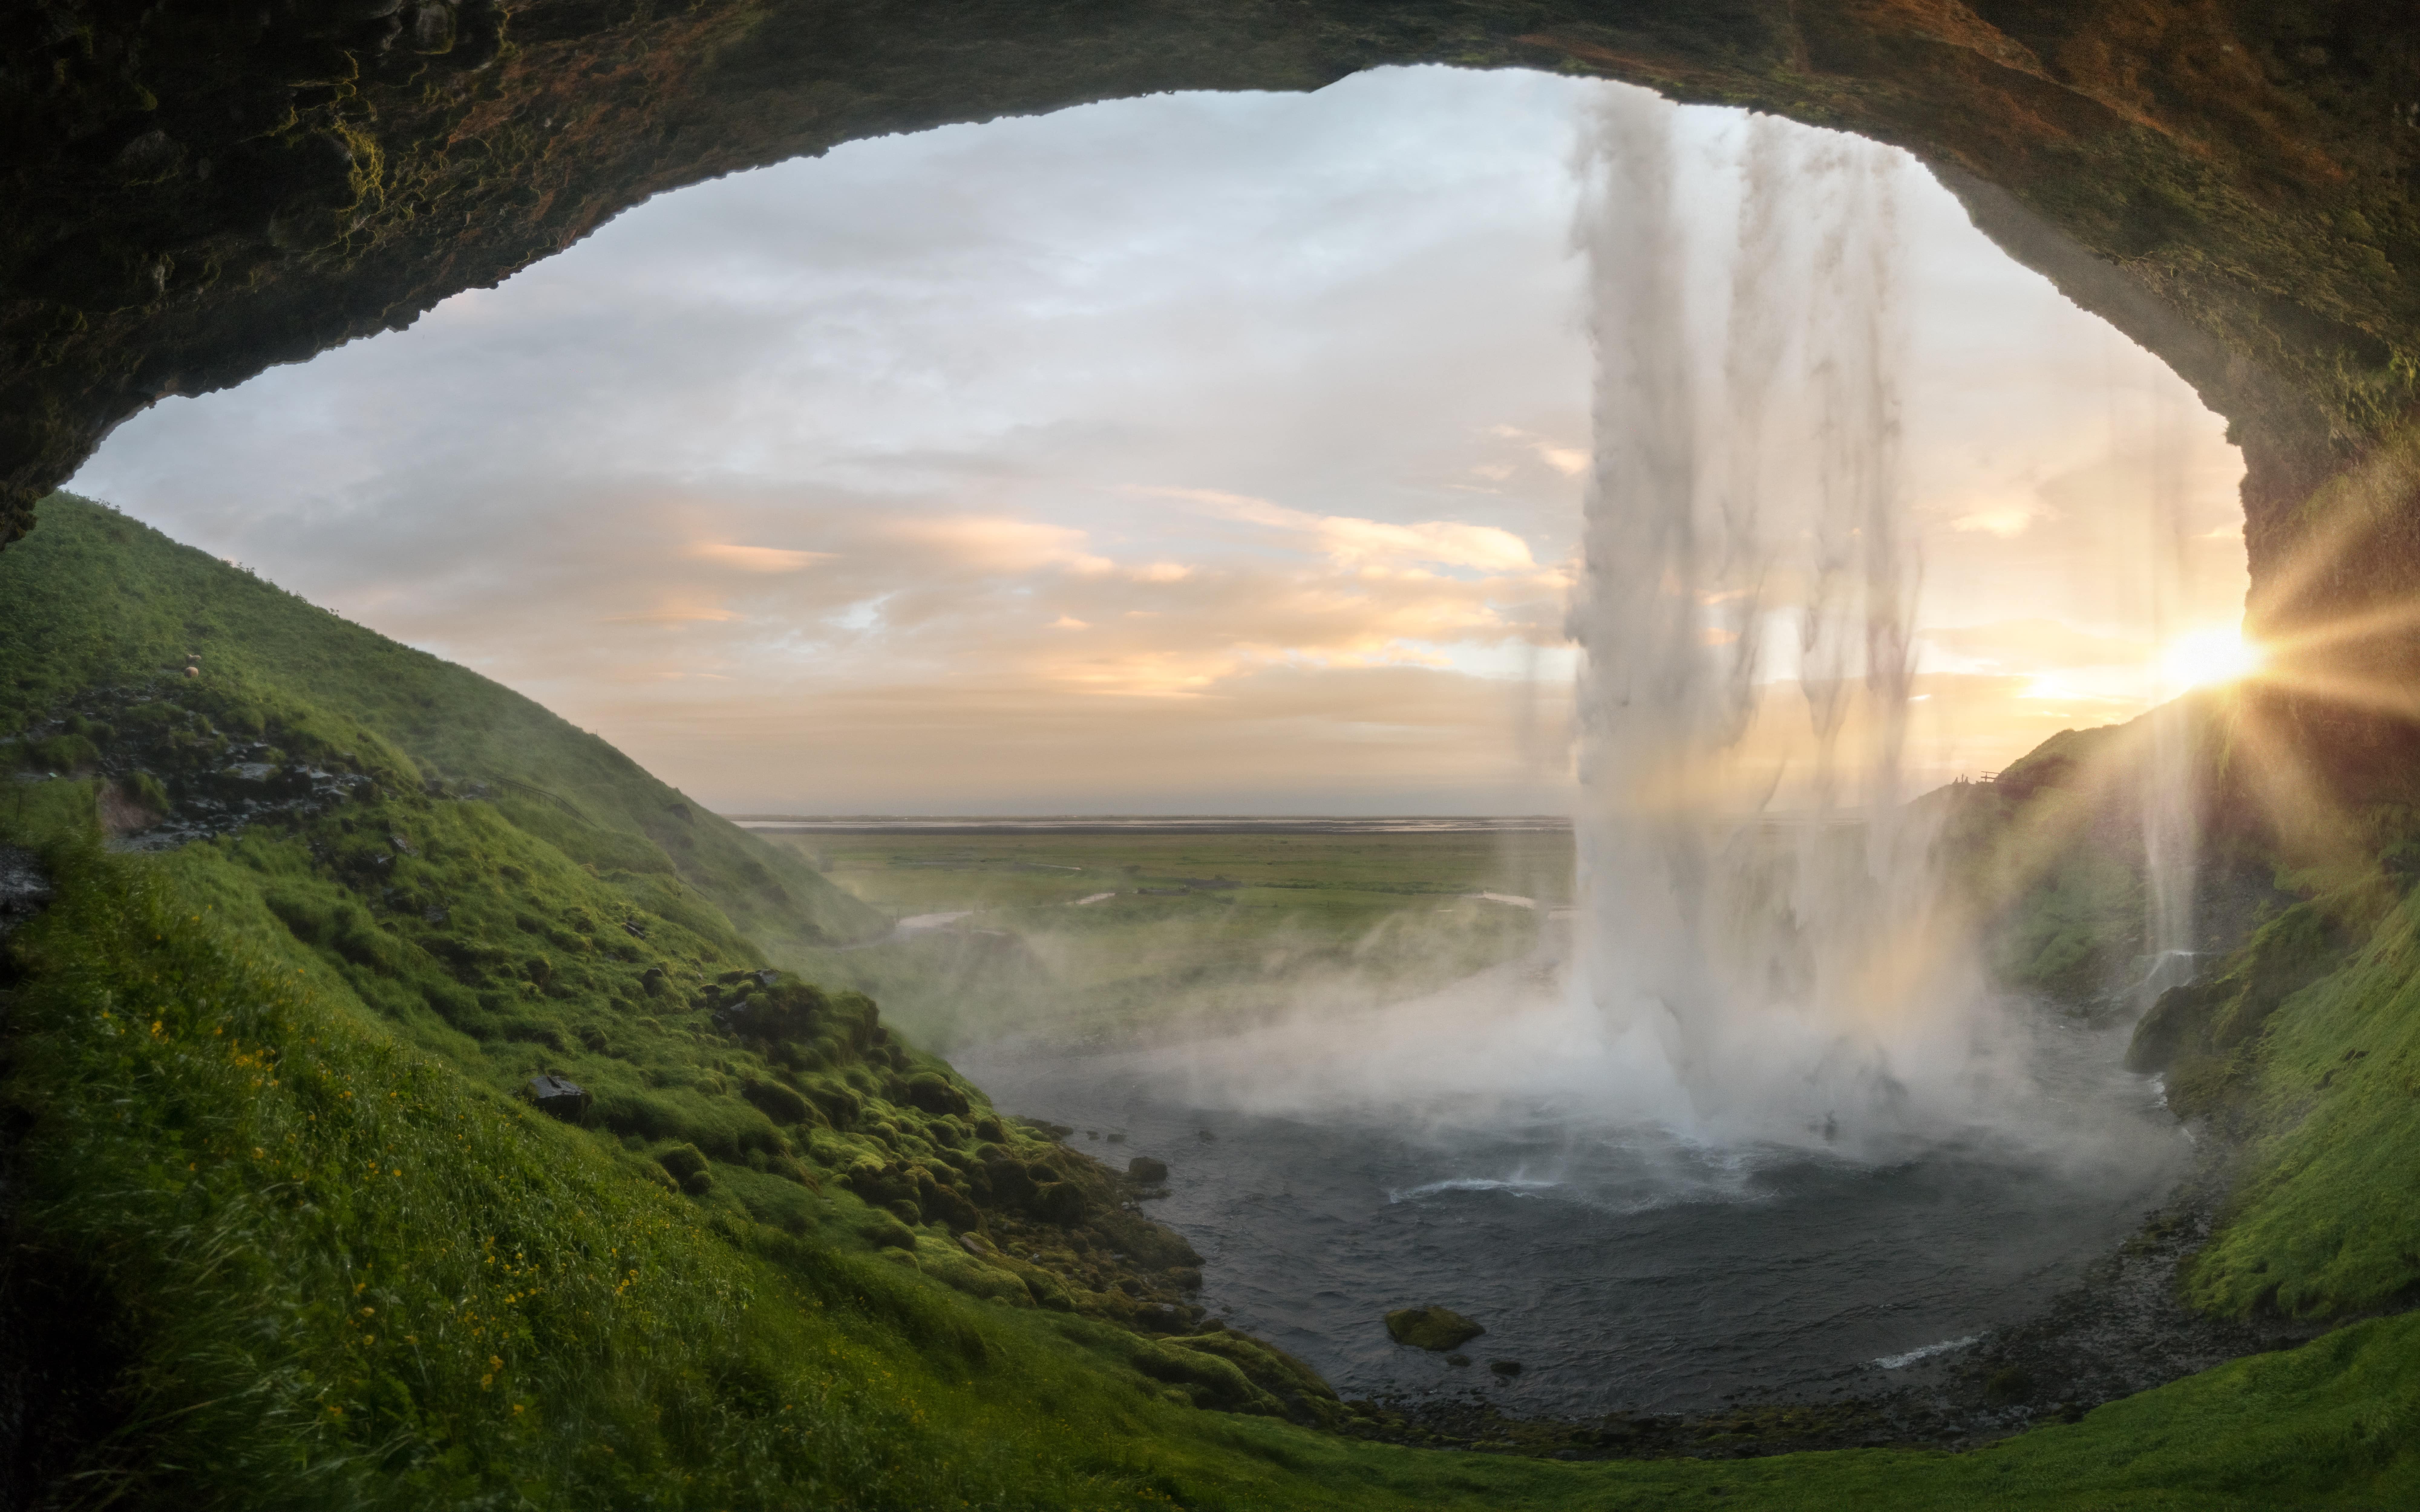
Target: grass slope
pixel 96 600
pixel 2304 1048
pixel 284 1237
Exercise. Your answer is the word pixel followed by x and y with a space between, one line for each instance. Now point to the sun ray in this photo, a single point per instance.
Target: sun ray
pixel 2350 690
pixel 2343 632
pixel 2333 525
pixel 2310 825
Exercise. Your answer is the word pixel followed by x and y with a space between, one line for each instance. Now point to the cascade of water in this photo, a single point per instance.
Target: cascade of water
pixel 2170 807
pixel 1756 902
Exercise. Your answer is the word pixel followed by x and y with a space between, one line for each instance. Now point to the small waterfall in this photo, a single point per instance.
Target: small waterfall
pixel 1760 919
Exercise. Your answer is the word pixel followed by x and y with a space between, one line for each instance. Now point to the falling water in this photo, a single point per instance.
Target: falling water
pixel 1762 923
pixel 2171 838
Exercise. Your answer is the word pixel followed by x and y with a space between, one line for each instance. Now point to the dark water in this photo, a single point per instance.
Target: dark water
pixel 1624 1269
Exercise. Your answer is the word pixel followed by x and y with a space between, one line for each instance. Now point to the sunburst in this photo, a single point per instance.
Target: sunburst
pixel 2208 657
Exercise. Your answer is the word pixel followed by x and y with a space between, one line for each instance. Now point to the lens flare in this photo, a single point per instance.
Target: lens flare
pixel 2202 658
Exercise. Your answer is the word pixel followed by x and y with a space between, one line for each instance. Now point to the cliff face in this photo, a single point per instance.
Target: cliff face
pixel 197 191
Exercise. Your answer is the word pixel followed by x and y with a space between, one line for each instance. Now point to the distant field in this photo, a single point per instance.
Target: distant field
pixel 1197 925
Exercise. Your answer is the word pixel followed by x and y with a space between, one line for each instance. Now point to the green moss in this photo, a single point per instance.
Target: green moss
pixel 2326 1089
pixel 2197 1033
pixel 1435 1329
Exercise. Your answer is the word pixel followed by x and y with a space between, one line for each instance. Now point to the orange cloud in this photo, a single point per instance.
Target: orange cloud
pixel 1350 540
pixel 767 559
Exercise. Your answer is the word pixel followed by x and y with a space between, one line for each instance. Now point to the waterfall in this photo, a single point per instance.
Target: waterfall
pixel 1757 909
pixel 2170 800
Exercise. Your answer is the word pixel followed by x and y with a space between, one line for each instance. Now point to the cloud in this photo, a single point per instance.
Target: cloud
pixel 2005 521
pixel 1449 543
pixel 1352 541
pixel 2038 643
pixel 765 559
pixel 676 614
pixel 1281 739
pixel 1570 461
pixel 998 544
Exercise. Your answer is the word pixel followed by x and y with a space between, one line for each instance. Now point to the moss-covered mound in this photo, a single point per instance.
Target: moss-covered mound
pixel 1438 1330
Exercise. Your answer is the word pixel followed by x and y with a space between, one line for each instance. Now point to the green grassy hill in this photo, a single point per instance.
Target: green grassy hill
pixel 102 603
pixel 285 1233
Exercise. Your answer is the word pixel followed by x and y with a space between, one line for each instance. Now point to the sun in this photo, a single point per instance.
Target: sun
pixel 2200 659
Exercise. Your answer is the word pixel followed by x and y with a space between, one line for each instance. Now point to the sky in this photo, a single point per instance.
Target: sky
pixel 1196 454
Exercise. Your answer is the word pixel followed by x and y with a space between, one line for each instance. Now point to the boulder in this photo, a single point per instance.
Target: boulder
pixel 776 1102
pixel 933 1094
pixel 1144 1171
pixel 558 1097
pixel 1437 1330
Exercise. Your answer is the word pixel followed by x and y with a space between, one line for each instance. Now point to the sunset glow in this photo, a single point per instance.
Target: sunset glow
pixel 2202 658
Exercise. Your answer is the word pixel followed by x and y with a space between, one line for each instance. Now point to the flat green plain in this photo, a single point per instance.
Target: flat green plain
pixel 1102 934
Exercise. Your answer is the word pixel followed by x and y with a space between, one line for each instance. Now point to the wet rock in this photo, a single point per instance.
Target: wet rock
pixel 1435 1329
pixel 2010 1386
pixel 559 1097
pixel 24 888
pixel 1506 1369
pixel 1144 1171
pixel 1058 1202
